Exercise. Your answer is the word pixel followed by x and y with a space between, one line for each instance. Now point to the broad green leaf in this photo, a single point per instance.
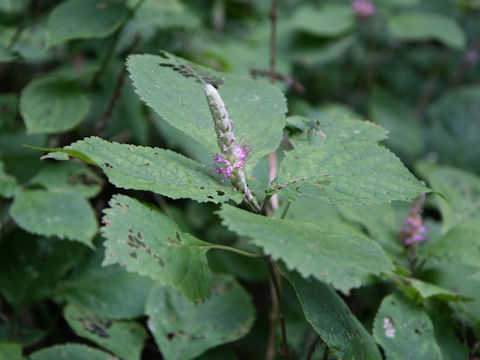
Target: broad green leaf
pixel 419 291
pixel 31 267
pixel 8 184
pixel 183 330
pixel 152 169
pixel 455 126
pixel 52 105
pixel 123 338
pixel 461 192
pixel 338 258
pixel 344 165
pixel 461 244
pixel 10 351
pixel 327 21
pixel 67 216
pixel 331 318
pixel 174 88
pixel 84 20
pixel 68 177
pixel 404 330
pixel 108 291
pixel 404 126
pixel 71 352
pixel 164 14
pixel 144 240
pixel 419 26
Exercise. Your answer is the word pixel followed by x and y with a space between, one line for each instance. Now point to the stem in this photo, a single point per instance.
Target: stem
pixel 238 251
pixel 312 347
pixel 273 277
pixel 117 93
pixel 115 39
pixel 285 210
pixel 325 354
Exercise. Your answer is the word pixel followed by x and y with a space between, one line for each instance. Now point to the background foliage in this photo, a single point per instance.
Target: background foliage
pixel 112 243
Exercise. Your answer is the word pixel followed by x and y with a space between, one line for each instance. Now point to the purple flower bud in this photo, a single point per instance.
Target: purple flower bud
pixel 363 8
pixel 413 230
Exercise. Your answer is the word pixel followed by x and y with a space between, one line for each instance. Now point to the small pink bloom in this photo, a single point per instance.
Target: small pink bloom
pixel 363 8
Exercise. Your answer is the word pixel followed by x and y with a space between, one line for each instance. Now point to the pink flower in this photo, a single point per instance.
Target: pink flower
pixel 363 8
pixel 237 154
pixel 414 230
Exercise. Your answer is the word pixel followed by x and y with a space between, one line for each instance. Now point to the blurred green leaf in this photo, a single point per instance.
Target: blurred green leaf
pixel 183 330
pixel 420 26
pixel 84 20
pixel 7 55
pixel 165 14
pixel 65 215
pixel 338 258
pixel 327 21
pixel 10 351
pixel 52 105
pixel 122 338
pixel 331 318
pixel 8 184
pixel 174 88
pixel 71 352
pixel 144 240
pixel 404 330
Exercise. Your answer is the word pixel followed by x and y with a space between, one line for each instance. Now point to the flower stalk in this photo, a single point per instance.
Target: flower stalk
pixel 233 157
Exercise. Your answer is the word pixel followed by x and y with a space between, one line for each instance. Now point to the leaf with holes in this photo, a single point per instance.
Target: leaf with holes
pixel 183 330
pixel 144 240
pixel 143 168
pixel 174 88
pixel 404 330
pixel 331 318
pixel 52 105
pixel 84 20
pixel 122 338
pixel 71 352
pixel 67 216
pixel 342 259
pixel 346 167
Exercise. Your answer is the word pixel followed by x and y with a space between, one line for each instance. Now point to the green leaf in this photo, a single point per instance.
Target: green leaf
pixel 8 184
pixel 68 177
pixel 143 168
pixel 420 291
pixel 455 125
pixel 342 165
pixel 123 338
pixel 420 26
pixel 183 330
pixel 144 240
pixel 342 259
pixel 108 291
pixel 67 216
pixel 84 20
pixel 31 268
pixel 327 21
pixel 174 88
pixel 461 191
pixel 71 352
pixel 404 330
pixel 165 14
pixel 50 105
pixel 7 55
pixel 404 126
pixel 10 351
pixel 331 318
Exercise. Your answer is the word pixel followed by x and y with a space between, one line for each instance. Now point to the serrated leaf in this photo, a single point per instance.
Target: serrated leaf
pixel 51 105
pixel 331 318
pixel 152 169
pixel 174 88
pixel 84 20
pixel 67 216
pixel 327 21
pixel 123 338
pixel 68 177
pixel 338 258
pixel 344 166
pixel 8 184
pixel 108 291
pixel 419 26
pixel 183 330
pixel 144 240
pixel 404 330
pixel 71 352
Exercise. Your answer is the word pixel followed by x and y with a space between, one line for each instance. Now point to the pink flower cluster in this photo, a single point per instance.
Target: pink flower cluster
pixel 238 155
pixel 363 8
pixel 414 230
